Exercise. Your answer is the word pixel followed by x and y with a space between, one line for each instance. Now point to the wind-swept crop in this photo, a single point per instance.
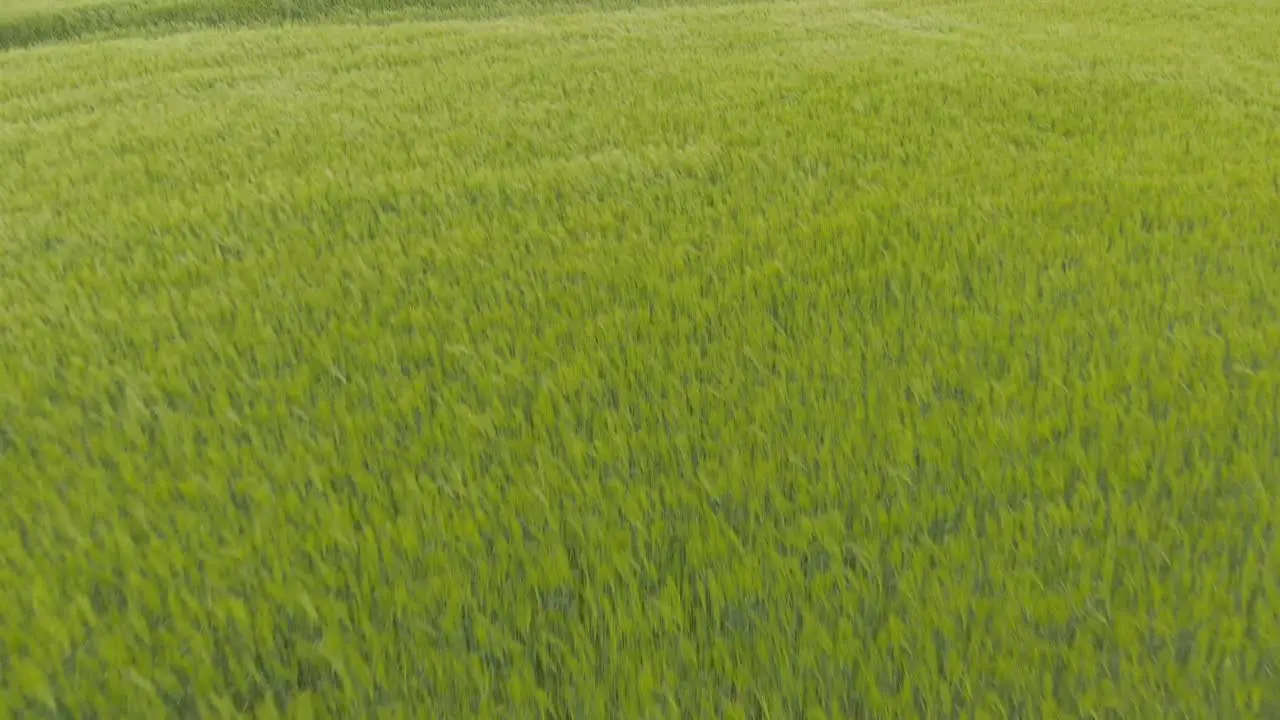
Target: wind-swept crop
pixel 819 359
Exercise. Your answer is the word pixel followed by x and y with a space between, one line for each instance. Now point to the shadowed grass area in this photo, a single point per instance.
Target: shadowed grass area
pixel 817 359
pixel 33 22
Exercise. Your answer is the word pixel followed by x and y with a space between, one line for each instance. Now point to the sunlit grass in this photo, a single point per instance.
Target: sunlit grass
pixel 797 360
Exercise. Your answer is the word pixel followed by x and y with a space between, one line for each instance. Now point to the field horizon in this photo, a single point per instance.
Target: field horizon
pixel 817 359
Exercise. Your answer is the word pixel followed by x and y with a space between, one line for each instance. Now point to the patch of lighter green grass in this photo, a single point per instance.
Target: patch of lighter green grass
pixel 808 359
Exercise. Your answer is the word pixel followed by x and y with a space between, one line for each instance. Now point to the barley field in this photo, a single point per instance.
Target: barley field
pixel 497 359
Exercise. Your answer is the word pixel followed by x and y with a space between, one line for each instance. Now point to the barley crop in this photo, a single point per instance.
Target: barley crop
pixel 819 359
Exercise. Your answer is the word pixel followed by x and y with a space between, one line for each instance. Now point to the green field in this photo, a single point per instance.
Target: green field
pixel 818 359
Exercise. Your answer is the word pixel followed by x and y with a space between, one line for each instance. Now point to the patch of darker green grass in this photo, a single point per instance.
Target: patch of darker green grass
pixel 151 18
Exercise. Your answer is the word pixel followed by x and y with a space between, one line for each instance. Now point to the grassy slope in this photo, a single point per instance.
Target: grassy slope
pixel 897 358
